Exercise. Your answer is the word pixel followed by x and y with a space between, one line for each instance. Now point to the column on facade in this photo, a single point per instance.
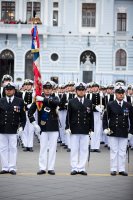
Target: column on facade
pixel 20 10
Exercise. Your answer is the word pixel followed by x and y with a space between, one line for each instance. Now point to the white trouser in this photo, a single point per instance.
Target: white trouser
pixel 28 134
pixel 79 151
pixel 8 151
pixel 48 140
pixel 105 138
pixel 68 140
pixel 95 138
pixel 131 141
pixel 62 118
pixel 118 148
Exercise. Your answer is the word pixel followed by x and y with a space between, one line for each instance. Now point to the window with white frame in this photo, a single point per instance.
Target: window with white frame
pixel 55 13
pixel 88 15
pixel 121 58
pixel 8 10
pixel 33 10
pixel 121 21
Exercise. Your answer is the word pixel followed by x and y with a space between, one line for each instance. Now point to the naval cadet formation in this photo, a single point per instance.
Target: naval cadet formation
pixel 77 115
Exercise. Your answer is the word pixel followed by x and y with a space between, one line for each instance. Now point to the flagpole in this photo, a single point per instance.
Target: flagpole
pixel 35 49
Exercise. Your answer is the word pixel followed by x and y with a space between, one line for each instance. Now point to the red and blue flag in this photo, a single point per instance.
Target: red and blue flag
pixel 35 48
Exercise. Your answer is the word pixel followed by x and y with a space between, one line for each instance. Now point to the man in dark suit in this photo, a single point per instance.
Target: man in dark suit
pixel 118 123
pixel 49 127
pixel 79 122
pixel 12 121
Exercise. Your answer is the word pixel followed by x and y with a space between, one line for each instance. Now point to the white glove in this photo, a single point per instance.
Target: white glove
pixel 129 136
pixel 68 131
pixel 37 128
pixel 19 131
pixel 91 133
pixel 100 108
pixel 39 98
pixel 29 105
pixel 107 131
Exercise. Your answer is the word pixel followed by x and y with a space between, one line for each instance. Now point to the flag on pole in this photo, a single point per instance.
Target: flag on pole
pixel 36 64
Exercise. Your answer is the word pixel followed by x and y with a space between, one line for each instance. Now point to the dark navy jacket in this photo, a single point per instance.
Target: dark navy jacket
pixel 47 121
pixel 80 116
pixel 119 119
pixel 11 116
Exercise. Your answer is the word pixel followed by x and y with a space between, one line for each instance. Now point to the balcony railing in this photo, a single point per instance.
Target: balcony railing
pixel 21 28
pixel 26 29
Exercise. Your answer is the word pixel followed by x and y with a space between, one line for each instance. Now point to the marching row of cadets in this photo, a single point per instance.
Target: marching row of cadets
pixel 71 114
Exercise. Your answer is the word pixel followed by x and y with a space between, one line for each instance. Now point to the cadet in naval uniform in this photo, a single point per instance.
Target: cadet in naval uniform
pixel 12 121
pixel 109 96
pixel 130 100
pixel 48 124
pixel 79 122
pixel 28 133
pixel 5 79
pixel 97 102
pixel 118 123
pixel 62 114
pixel 70 94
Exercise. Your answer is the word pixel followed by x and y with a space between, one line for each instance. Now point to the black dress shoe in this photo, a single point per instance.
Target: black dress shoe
pixel 59 141
pixel 83 173
pixel 25 149
pixel 68 150
pixel 12 172
pixel 92 150
pixel 74 172
pixel 97 150
pixel 4 172
pixel 30 149
pixel 51 172
pixel 123 173
pixel 113 173
pixel 41 172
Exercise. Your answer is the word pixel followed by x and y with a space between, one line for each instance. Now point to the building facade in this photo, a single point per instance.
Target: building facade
pixel 80 40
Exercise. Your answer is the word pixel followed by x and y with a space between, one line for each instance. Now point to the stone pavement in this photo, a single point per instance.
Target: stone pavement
pixel 98 185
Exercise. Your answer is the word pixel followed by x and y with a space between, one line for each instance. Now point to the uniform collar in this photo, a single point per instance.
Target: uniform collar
pixel 120 101
pixel 12 97
pixel 79 98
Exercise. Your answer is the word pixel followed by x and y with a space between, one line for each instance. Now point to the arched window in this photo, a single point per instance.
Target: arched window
pixel 29 66
pixel 88 55
pixel 6 63
pixel 87 62
pixel 121 58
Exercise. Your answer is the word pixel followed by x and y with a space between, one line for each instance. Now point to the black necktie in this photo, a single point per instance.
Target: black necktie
pixel 9 101
pixel 80 100
pixel 120 104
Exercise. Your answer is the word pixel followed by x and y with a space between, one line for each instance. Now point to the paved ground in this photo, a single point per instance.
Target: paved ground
pixel 98 185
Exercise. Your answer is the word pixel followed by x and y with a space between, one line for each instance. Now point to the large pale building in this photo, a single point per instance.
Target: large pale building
pixel 80 40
